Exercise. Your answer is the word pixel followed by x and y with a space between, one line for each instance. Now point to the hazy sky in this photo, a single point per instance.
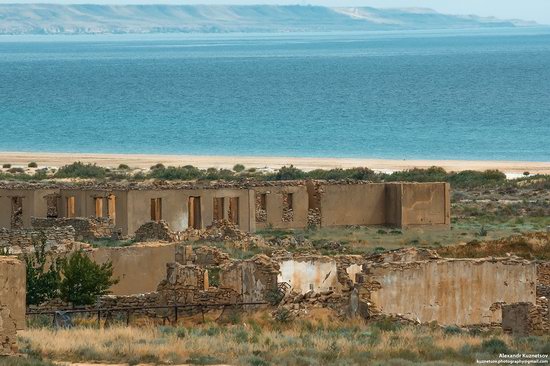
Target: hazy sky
pixel 538 10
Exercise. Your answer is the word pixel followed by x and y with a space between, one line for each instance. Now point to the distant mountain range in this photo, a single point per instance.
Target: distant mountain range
pixel 98 19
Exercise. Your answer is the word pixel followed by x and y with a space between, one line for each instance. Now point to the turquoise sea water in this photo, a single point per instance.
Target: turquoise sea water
pixel 448 95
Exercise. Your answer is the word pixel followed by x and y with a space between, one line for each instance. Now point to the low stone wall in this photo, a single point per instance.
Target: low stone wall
pixel 85 228
pixel 525 318
pixel 19 241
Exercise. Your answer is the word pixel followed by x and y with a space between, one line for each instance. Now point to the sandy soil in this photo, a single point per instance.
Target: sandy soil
pixel 145 161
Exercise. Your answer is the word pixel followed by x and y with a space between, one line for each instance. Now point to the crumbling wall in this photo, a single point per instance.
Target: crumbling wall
pixel 22 240
pixel 524 318
pixel 88 228
pixel 155 231
pixel 12 291
pixel 206 256
pixel 461 292
pixel 318 273
pixel 8 334
pixel 285 206
pixel 543 279
pixel 139 268
pixel 252 278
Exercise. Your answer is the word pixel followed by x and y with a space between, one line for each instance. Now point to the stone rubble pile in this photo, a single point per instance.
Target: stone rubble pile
pixel 156 231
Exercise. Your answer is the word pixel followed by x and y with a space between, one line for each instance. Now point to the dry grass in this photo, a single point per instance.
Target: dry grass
pixel 260 341
pixel 529 246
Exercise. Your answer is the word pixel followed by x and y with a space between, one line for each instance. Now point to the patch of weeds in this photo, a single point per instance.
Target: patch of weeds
pixel 494 346
pixel 147 358
pixel 283 315
pixel 381 232
pixel 256 360
pixel 196 359
pixel 87 354
pixel 180 332
pixel 452 330
pixel 241 336
pixel 387 325
pixel 21 361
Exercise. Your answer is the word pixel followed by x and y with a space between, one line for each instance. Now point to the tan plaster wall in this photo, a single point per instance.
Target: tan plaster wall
pixel 175 207
pixel 139 268
pixel 85 205
pixel 353 204
pixel 274 207
pixel 426 204
pixel 34 204
pixel 13 288
pixel 460 292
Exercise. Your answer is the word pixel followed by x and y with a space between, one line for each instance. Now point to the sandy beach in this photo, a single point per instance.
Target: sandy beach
pixel 268 162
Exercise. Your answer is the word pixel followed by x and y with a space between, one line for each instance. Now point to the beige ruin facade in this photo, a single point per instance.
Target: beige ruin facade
pixel 285 205
pixel 461 292
pixel 12 302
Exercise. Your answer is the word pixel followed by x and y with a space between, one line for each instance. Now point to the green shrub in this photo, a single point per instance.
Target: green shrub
pixel 32 164
pixel 238 168
pixel 6 166
pixel 123 167
pixel 16 170
pixel 158 166
pixel 81 170
pixel 452 330
pixel 288 173
pixel 43 278
pixel 84 280
pixel 175 173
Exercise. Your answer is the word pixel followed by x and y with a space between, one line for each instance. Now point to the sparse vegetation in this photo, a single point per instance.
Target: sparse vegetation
pixel 259 340
pixel 32 164
pixel 6 166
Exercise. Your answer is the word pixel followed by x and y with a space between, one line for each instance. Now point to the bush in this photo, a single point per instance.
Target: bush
pixel 42 277
pixel 16 170
pixel 6 166
pixel 84 280
pixel 81 170
pixel 238 168
pixel 123 167
pixel 32 164
pixel 157 166
pixel 187 172
pixel 288 173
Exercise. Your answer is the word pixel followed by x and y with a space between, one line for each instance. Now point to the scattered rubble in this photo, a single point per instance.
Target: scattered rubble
pixel 155 231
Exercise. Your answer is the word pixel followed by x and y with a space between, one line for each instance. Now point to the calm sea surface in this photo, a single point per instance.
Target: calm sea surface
pixel 447 95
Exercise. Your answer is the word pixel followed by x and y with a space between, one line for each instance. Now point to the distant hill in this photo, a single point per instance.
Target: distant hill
pixel 91 19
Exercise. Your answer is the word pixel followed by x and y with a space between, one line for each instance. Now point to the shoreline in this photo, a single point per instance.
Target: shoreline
pixel 144 161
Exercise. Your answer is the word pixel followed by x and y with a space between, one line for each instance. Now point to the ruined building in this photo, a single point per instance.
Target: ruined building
pixel 122 208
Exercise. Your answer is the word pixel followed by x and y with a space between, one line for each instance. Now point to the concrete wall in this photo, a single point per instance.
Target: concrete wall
pixel 461 292
pixel 395 204
pixel 12 288
pixel 139 268
pixel 426 204
pixel 353 204
pixel 274 207
pixel 175 207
